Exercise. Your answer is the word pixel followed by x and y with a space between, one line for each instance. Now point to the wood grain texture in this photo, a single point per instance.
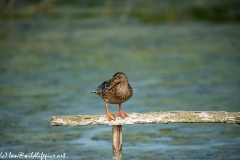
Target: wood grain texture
pixel 150 118
pixel 117 142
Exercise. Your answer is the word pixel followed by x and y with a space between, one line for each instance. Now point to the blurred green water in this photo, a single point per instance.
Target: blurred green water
pixel 50 65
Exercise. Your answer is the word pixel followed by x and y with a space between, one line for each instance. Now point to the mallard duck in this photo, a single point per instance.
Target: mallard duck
pixel 115 91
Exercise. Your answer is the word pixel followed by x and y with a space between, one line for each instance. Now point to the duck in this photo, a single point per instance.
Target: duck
pixel 115 91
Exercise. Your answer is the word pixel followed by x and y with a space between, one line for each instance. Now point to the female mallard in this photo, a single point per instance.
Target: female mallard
pixel 115 91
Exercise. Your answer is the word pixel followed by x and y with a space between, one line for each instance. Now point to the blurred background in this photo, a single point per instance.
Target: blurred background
pixel 177 54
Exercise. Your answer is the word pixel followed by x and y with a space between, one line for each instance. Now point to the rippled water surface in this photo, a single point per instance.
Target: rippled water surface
pixel 49 67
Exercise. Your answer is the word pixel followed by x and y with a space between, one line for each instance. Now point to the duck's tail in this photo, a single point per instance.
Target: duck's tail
pixel 93 92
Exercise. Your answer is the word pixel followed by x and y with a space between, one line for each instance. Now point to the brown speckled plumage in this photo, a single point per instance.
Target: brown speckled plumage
pixel 115 91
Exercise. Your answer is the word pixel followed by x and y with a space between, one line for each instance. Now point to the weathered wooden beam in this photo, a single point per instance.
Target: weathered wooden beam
pixel 150 118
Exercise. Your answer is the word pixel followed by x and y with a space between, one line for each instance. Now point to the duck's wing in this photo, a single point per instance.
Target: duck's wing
pixel 105 85
pixel 130 89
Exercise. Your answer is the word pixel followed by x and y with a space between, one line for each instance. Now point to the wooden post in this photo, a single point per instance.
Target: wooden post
pixel 117 142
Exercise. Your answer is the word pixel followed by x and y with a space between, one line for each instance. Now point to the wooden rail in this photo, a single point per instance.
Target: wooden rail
pixel 146 118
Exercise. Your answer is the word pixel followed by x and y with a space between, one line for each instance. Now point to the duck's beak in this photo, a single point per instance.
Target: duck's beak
pixel 112 84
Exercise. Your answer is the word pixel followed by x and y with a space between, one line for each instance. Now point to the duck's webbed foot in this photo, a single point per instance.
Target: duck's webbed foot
pixel 122 114
pixel 110 116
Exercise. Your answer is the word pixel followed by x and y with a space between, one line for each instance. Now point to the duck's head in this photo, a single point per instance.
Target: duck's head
pixel 119 77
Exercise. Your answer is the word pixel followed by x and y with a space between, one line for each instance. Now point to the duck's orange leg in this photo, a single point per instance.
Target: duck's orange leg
pixel 121 113
pixel 109 116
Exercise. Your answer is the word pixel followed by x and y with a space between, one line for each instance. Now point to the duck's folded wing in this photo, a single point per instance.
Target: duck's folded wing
pixel 105 84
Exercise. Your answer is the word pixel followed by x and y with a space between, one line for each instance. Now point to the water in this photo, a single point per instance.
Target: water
pixel 50 66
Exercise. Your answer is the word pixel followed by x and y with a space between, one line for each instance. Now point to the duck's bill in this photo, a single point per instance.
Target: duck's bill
pixel 112 84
